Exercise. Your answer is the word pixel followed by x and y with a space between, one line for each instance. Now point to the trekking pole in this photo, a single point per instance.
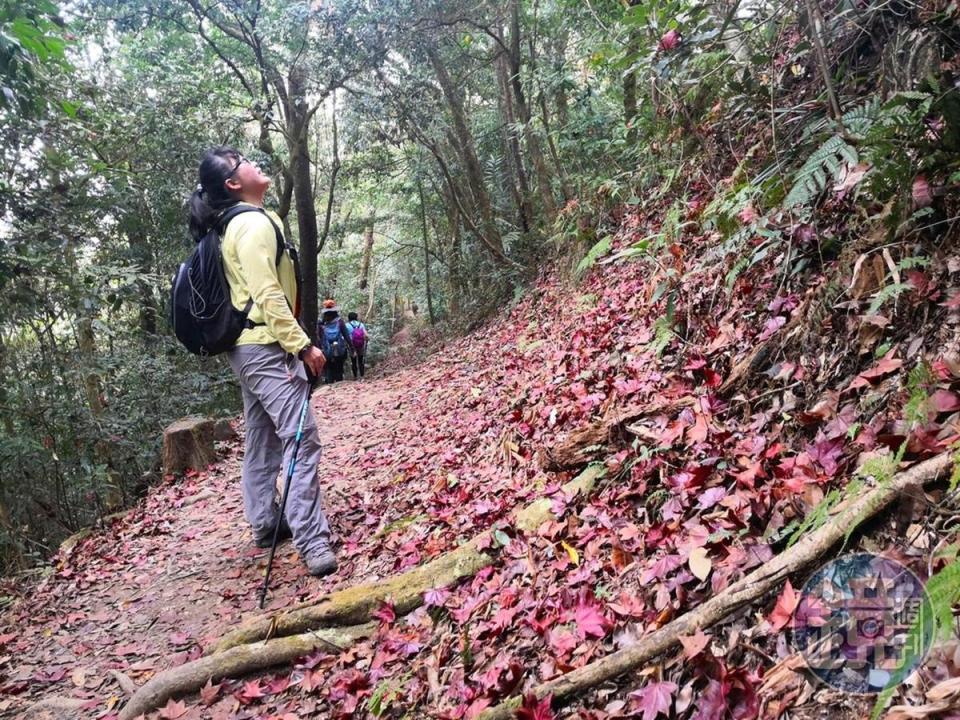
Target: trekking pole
pixel 283 497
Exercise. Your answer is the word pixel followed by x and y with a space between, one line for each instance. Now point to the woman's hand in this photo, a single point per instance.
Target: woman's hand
pixel 313 358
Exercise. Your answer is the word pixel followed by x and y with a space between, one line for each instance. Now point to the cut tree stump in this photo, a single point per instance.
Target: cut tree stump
pixel 847 516
pixel 188 443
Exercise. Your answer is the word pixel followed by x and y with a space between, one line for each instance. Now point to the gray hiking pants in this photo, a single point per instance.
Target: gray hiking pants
pixel 274 385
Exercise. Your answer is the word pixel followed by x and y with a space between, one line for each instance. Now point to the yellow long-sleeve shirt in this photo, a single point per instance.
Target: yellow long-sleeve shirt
pixel 249 249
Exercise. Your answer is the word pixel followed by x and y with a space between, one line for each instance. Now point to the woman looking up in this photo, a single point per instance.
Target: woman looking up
pixel 267 356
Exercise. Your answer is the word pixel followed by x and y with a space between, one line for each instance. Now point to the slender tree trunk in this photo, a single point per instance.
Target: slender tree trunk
pixel 298 125
pixel 513 159
pixel 367 255
pixel 547 127
pixel 523 111
pixel 454 259
pixel 426 253
pixel 468 152
pixel 334 171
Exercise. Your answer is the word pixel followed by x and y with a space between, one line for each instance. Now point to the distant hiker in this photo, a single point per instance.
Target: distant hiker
pixel 335 340
pixel 359 337
pixel 261 272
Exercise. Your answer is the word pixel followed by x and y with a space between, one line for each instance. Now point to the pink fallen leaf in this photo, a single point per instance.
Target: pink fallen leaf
pixel 694 644
pixel 655 698
pixel 590 621
pixel 945 401
pixel 173 710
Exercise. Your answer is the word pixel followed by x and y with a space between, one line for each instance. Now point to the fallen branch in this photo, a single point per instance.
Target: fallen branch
pixel 238 661
pixel 270 640
pixel 747 590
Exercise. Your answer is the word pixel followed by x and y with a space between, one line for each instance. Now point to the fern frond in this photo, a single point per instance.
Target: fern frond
pixel 890 292
pixel 601 248
pixel 820 169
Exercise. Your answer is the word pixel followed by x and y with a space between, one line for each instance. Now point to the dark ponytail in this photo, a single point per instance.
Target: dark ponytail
pixel 211 197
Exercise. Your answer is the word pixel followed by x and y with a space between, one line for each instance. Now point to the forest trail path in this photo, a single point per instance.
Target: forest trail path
pixel 179 569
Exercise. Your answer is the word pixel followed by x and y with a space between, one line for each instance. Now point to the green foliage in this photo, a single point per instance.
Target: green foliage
pixel 820 170
pixel 601 248
pixel 919 381
pixel 820 514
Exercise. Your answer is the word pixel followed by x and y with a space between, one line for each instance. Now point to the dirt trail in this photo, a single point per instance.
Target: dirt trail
pixel 177 571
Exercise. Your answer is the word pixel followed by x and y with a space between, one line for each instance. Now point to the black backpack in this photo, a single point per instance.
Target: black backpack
pixel 202 316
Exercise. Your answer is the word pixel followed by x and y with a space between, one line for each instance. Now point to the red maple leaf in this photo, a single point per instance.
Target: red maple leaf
pixel 209 692
pixel 533 709
pixel 385 613
pixel 783 611
pixel 251 691
pixel 590 621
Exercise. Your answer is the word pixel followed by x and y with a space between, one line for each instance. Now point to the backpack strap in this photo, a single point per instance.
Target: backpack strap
pixel 221 226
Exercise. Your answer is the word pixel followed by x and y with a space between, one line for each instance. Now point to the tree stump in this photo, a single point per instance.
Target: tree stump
pixel 223 429
pixel 188 443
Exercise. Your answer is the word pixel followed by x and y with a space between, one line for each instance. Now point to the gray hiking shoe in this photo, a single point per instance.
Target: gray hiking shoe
pixel 321 562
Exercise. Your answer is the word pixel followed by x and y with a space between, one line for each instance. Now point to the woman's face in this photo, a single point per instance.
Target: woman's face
pixel 246 178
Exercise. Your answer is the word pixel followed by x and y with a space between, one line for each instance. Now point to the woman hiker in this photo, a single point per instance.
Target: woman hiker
pixel 335 340
pixel 267 357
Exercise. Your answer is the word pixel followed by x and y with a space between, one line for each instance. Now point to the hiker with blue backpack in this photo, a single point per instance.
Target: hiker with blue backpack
pixel 335 341
pixel 266 346
pixel 359 337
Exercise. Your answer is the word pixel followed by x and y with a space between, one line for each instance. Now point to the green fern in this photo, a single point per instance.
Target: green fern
pixel 662 335
pixel 890 292
pixel 934 621
pixel 820 514
pixel 881 469
pixel 820 170
pixel 918 382
pixel 914 261
pixel 601 248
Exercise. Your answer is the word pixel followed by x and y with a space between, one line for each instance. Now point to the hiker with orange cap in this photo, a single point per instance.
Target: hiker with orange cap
pixel 335 341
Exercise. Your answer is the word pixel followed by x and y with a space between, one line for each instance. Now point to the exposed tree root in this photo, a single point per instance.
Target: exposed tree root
pixel 586 444
pixel 747 590
pixel 238 661
pixel 338 619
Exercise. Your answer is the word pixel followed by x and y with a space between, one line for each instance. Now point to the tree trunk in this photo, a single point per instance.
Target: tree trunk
pixel 523 110
pixel 298 125
pixel 547 127
pixel 512 157
pixel 426 252
pixel 467 149
pixel 367 255
pixel 334 171
pixel 630 92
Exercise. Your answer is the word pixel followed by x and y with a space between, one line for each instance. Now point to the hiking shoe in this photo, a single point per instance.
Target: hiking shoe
pixel 265 541
pixel 322 562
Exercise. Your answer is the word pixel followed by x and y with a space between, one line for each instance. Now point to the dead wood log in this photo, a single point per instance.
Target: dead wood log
pixel 247 649
pixel 236 662
pixel 747 590
pixel 188 443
